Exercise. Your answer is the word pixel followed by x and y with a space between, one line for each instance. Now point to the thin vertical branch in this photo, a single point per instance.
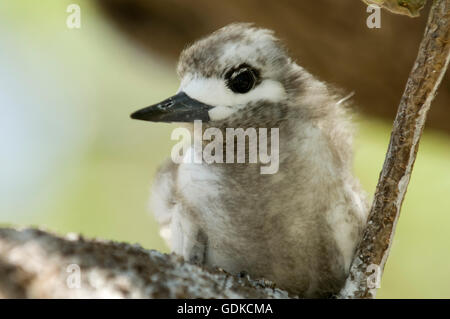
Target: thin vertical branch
pixel 423 82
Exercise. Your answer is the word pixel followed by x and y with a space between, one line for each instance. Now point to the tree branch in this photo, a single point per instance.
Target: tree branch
pixel 423 82
pixel 36 264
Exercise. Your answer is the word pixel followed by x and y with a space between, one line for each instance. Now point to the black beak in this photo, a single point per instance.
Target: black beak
pixel 178 108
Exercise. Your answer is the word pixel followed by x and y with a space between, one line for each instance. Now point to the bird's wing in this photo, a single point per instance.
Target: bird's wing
pixel 163 198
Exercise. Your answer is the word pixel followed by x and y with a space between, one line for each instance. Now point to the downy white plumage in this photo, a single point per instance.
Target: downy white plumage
pixel 298 227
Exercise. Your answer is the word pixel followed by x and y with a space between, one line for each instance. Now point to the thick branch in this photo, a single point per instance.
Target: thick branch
pixel 421 87
pixel 36 264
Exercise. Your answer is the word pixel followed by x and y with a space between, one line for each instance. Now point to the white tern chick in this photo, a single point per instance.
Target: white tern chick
pixel 297 227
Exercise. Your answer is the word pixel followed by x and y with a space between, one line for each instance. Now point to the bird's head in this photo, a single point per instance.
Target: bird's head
pixel 236 71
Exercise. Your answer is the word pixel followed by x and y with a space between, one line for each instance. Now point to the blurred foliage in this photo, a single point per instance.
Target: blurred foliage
pixel 75 162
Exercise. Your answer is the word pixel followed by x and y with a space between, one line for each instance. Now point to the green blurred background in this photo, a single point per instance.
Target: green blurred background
pixel 71 160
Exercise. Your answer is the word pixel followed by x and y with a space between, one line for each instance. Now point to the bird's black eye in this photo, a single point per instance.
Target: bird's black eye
pixel 241 80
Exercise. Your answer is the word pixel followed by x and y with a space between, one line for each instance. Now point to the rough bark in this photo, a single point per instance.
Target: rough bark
pixel 425 77
pixel 36 264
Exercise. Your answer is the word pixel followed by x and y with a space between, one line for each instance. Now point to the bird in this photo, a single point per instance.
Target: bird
pixel 298 227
